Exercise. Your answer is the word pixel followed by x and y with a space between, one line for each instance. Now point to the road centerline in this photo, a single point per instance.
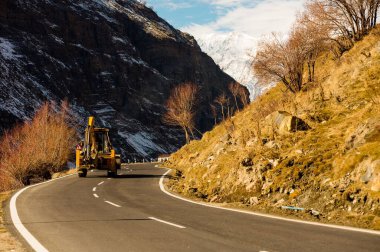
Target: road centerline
pixel 95 195
pixel 167 222
pixel 100 183
pixel 94 189
pixel 113 204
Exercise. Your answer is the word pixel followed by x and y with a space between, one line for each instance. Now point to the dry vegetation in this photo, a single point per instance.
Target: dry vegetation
pixel 36 149
pixel 333 168
pixel 181 108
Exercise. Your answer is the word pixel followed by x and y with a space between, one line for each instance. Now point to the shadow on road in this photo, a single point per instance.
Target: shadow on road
pixel 121 176
pixel 128 176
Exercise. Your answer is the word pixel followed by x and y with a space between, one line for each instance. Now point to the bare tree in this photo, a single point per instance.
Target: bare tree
pixel 222 100
pixel 349 20
pixel 181 108
pixel 244 96
pixel 316 39
pixel 214 112
pixel 234 89
pixel 282 60
pixel 36 148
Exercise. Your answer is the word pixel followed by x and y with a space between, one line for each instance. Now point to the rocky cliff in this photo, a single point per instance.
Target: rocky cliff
pixel 115 59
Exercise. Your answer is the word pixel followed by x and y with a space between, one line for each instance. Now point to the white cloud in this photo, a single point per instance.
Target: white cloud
pixel 257 19
pixel 229 3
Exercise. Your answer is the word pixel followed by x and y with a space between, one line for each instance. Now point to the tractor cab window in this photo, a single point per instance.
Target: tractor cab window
pixel 102 140
pixel 99 139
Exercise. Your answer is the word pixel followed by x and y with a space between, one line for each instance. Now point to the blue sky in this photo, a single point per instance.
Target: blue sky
pixel 253 17
pixel 181 15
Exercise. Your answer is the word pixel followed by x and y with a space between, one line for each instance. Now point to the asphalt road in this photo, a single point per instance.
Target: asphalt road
pixel 131 213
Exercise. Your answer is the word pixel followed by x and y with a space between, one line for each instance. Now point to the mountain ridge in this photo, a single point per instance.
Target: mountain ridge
pixel 115 59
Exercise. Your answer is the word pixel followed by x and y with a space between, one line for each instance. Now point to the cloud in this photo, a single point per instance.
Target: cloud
pixel 229 3
pixel 257 19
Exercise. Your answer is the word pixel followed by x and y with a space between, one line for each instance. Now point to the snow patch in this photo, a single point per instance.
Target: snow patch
pixel 117 39
pixel 58 40
pixel 141 142
pixel 7 50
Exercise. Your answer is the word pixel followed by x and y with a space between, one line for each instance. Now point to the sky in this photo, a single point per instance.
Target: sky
pixel 256 18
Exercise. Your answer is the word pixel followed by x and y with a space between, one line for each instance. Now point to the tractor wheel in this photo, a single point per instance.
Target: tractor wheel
pixel 112 174
pixel 82 173
pixel 118 164
pixel 109 173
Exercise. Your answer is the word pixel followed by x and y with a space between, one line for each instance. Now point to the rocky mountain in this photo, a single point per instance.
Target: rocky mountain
pixel 233 52
pixel 115 59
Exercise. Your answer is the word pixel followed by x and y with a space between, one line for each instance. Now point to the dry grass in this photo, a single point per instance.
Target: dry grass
pixel 321 167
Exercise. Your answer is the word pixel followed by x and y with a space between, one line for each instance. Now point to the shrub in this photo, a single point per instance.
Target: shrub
pixel 37 148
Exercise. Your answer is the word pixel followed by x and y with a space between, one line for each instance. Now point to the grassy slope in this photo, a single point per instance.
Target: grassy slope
pixel 319 169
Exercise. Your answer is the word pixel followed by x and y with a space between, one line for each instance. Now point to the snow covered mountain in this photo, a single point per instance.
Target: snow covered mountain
pixel 233 52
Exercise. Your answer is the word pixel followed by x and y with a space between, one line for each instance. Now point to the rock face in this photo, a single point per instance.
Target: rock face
pixel 115 59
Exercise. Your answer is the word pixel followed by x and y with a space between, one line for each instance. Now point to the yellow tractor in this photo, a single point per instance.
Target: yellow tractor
pixel 96 152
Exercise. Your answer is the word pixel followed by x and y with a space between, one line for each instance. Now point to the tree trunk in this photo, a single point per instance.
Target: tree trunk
pixel 309 69
pixel 186 135
pixel 237 107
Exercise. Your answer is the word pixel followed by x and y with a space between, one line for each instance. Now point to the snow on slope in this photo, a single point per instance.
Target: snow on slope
pixel 233 52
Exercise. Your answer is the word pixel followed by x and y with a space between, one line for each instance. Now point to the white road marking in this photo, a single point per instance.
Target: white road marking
pixel 113 204
pixel 101 183
pixel 30 239
pixel 162 187
pixel 108 178
pixel 166 222
pixel 95 195
pixel 94 189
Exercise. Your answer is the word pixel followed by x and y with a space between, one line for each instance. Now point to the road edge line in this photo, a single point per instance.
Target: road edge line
pixel 23 231
pixel 361 230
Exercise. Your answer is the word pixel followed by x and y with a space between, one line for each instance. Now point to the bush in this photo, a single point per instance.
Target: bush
pixel 37 148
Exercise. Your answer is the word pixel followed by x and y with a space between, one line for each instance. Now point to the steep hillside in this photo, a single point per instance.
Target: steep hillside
pixel 325 162
pixel 115 59
pixel 233 53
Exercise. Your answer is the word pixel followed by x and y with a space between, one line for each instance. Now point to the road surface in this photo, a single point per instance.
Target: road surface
pixel 131 213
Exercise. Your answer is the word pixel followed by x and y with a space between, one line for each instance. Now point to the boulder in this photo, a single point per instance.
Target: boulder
pixel 247 162
pixel 279 203
pixel 284 122
pixel 253 201
pixel 367 131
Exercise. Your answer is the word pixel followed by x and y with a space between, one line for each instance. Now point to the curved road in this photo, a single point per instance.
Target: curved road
pixel 131 213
